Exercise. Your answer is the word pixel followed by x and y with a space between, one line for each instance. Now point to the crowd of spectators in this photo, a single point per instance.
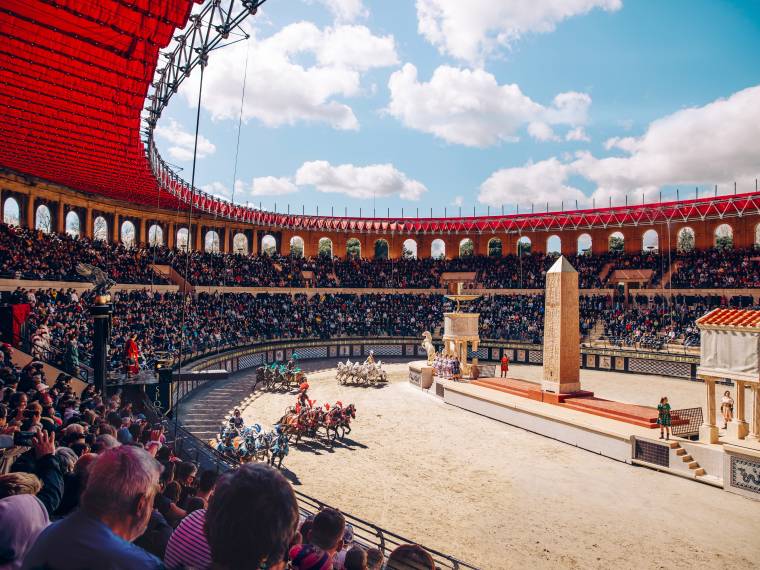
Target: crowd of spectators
pixel 717 268
pixel 95 484
pixel 33 254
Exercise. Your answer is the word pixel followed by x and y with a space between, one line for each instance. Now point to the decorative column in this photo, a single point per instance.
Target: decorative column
pixel 199 245
pixel 171 235
pixel 708 431
pixel 29 212
pixel 738 428
pixel 88 227
pixel 101 311
pixel 60 217
pixel 755 433
pixel 116 230
pixel 143 230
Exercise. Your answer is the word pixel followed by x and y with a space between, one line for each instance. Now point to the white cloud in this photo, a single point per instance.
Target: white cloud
pixel 473 30
pixel 344 10
pixel 469 107
pixel 299 74
pixel 577 134
pixel 375 180
pixel 536 183
pixel 541 131
pixel 713 144
pixel 182 142
pixel 457 201
pixel 272 186
pixel 218 189
pixel 716 143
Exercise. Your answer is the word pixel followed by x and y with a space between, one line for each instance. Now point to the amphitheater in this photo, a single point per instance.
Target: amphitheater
pixel 205 293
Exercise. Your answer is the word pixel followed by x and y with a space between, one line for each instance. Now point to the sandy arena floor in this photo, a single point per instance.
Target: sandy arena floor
pixel 501 497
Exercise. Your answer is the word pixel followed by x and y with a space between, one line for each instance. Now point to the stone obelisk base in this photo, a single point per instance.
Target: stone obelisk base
pixel 558 388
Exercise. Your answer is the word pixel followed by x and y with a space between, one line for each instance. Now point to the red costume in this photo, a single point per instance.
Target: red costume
pixel 132 356
pixel 504 366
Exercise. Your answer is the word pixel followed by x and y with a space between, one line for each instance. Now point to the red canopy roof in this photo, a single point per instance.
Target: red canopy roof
pixel 74 75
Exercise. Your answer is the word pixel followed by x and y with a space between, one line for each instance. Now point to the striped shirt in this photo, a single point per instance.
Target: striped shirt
pixel 188 548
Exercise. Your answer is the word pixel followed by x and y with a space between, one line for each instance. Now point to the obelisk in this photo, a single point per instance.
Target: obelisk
pixel 561 330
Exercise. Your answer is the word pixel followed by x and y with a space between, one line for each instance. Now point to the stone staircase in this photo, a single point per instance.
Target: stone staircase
pixel 686 460
pixel 203 413
pixel 665 282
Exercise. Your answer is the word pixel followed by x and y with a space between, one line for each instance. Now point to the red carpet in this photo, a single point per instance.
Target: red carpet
pixel 643 416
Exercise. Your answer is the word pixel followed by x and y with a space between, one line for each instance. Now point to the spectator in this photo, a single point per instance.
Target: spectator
pixel 239 540
pixel 22 518
pixel 187 546
pixel 204 490
pixel 375 559
pixel 356 559
pixel 410 557
pixel 116 507
pixel 324 541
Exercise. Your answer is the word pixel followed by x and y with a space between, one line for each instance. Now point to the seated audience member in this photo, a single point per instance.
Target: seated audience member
pixel 324 541
pixel 205 488
pixel 375 559
pixel 116 506
pixel 356 559
pixel 410 557
pixel 188 547
pixel 22 518
pixel 251 519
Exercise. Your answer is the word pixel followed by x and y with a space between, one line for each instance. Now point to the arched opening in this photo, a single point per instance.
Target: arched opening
pixel 240 244
pixel 11 212
pixel 296 246
pixel 381 249
pixel 43 220
pixel 128 234
pixel 554 245
pixel 466 248
pixel 524 246
pixel 268 245
pixel 724 237
pixel 650 241
pixel 616 242
pixel 211 242
pixel 325 247
pixel 353 248
pixel 183 239
pixel 494 247
pixel 685 240
pixel 100 229
pixel 584 244
pixel 438 249
pixel 72 224
pixel 757 235
pixel 409 249
pixel 155 236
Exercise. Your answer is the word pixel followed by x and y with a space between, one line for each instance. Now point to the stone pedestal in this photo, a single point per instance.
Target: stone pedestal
pixel 562 355
pixel 708 434
pixel 737 429
pixel 420 374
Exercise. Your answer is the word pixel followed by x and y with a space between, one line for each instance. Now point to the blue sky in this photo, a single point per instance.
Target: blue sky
pixel 416 105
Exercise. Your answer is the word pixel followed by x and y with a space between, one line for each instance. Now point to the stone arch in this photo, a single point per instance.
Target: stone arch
pixel 438 249
pixel 524 246
pixel 268 245
pixel 296 246
pixel 353 248
pixel 183 239
pixel 685 240
pixel 466 248
pixel 73 226
pixel 128 234
pixel 554 244
pixel 495 248
pixel 650 241
pixel 325 247
pixel 616 242
pixel 43 219
pixel 212 242
pixel 11 212
pixel 100 228
pixel 382 249
pixel 409 249
pixel 584 244
pixel 155 235
pixel 757 235
pixel 724 236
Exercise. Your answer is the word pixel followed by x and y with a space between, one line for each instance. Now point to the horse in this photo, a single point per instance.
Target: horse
pixel 279 445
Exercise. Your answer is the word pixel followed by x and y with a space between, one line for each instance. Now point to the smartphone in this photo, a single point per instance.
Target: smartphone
pixel 23 438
